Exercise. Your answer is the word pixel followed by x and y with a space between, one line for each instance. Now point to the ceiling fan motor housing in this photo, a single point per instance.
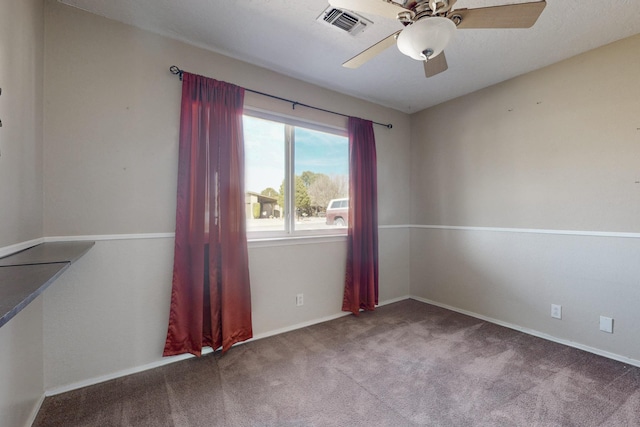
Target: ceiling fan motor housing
pixel 425 35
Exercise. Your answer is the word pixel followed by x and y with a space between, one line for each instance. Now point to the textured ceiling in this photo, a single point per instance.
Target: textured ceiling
pixel 284 36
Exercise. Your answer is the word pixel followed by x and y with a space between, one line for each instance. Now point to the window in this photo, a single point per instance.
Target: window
pixel 293 172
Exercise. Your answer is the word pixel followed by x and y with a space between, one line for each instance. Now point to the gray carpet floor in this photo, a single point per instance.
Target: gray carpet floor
pixel 406 364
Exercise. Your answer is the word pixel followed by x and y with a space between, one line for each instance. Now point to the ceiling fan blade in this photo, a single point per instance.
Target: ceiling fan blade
pixel 372 51
pixel 435 65
pixel 522 15
pixel 388 9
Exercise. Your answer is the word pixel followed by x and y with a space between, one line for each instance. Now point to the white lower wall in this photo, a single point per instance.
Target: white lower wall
pixel 393 254
pixel 514 277
pixel 21 371
pixel 108 312
pixel 107 315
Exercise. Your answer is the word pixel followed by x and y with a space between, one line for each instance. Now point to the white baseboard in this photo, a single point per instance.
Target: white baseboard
pixel 393 300
pixel 207 350
pixel 122 373
pixel 34 411
pixel 535 333
pixel 316 321
pixel 173 359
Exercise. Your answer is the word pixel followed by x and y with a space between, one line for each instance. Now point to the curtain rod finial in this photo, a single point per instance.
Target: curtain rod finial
pixel 176 71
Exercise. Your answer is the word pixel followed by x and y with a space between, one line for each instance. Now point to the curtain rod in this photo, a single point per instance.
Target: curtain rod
pixel 178 72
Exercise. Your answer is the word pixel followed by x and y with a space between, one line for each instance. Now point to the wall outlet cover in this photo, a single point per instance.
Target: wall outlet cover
pixel 606 324
pixel 556 311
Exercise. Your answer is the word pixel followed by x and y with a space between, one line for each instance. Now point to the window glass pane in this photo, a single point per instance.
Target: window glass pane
pixel 321 175
pixel 264 147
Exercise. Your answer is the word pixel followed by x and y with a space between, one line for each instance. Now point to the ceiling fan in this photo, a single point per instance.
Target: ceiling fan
pixel 429 25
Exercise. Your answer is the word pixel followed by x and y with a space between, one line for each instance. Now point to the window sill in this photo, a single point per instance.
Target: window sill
pixel 296 240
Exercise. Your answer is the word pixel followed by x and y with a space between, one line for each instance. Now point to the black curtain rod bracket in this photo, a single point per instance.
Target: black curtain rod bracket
pixel 178 72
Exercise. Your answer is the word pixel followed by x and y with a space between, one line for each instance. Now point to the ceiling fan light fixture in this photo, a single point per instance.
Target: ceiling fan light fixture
pixel 427 34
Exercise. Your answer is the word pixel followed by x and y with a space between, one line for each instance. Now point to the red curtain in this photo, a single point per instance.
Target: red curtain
pixel 361 282
pixel 210 297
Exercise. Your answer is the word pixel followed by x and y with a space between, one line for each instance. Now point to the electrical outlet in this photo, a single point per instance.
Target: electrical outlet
pixel 556 311
pixel 606 324
pixel 299 300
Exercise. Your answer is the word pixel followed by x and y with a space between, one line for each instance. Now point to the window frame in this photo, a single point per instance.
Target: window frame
pixel 290 124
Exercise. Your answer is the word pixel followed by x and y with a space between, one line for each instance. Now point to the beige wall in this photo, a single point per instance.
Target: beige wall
pixel 21 68
pixel 110 161
pixel 556 149
pixel 112 118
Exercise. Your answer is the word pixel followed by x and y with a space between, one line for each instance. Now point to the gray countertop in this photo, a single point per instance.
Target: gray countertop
pixel 26 274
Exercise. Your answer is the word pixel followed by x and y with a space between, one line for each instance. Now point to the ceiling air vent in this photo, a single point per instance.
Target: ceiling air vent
pixel 347 21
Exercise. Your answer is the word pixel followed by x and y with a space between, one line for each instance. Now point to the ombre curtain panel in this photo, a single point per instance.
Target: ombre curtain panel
pixel 361 279
pixel 210 297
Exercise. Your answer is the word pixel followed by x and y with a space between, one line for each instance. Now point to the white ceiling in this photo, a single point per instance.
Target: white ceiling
pixel 284 36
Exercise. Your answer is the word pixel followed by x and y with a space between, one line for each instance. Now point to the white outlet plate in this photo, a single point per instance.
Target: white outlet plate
pixel 556 311
pixel 299 300
pixel 606 324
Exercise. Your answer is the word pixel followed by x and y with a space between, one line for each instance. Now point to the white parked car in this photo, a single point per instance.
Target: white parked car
pixel 338 212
